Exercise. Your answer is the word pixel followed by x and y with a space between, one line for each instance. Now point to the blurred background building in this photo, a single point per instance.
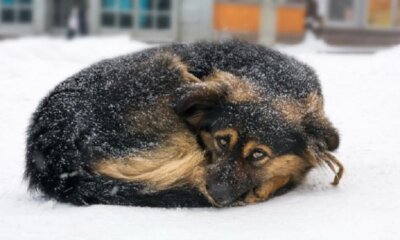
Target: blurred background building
pixel 343 22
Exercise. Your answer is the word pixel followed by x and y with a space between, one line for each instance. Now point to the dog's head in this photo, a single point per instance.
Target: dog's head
pixel 247 142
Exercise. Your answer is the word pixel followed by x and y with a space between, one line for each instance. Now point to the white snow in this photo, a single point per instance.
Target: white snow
pixel 362 99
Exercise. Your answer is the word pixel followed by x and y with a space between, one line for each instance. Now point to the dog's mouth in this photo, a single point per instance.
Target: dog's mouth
pixel 240 201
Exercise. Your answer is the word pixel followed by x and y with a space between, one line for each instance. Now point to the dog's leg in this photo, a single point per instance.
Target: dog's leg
pixel 266 190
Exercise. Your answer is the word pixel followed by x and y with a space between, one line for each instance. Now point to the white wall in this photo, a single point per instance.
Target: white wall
pixel 196 20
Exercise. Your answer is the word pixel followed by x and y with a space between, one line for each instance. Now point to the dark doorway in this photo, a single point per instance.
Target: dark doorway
pixel 61 11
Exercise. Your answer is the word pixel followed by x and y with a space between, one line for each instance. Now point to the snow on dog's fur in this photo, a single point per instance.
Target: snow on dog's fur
pixel 191 125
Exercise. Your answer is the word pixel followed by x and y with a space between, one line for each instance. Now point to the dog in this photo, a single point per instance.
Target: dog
pixel 184 125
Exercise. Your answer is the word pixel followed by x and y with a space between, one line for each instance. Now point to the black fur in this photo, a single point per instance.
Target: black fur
pixel 82 119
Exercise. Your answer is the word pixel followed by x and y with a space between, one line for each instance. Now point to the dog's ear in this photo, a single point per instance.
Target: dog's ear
pixel 320 130
pixel 197 104
pixel 322 138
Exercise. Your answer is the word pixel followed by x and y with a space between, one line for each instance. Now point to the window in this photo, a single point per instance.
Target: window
pixel 16 11
pixel 117 13
pixel 379 13
pixel 155 14
pixel 148 14
pixel 342 10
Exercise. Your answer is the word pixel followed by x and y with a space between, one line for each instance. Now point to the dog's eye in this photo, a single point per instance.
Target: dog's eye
pixel 258 154
pixel 222 142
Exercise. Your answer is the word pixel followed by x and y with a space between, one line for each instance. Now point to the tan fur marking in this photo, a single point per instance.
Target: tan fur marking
pixel 239 90
pixel 209 143
pixel 286 165
pixel 208 140
pixel 177 63
pixel 251 145
pixel 173 164
pixel 277 173
pixel 295 110
pixel 248 148
pixel 232 133
pixel 266 190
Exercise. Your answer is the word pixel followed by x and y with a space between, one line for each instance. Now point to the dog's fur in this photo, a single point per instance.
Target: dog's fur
pixel 185 125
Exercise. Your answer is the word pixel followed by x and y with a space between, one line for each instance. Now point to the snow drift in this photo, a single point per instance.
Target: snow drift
pixel 362 100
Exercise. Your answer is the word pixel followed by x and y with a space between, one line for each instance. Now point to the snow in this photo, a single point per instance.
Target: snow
pixel 362 99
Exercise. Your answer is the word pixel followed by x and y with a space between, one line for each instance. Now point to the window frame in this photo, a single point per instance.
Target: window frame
pixel 154 13
pixel 394 12
pixel 136 30
pixel 396 16
pixel 344 24
pixel 117 13
pixel 17 7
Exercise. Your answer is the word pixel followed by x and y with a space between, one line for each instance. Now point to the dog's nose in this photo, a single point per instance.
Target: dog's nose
pixel 221 193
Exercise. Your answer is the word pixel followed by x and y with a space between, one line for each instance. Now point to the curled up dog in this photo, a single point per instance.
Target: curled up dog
pixel 184 125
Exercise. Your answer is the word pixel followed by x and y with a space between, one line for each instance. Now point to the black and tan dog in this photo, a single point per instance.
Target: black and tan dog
pixel 203 124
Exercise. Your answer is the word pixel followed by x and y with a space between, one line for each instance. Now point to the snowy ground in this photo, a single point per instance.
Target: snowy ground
pixel 362 99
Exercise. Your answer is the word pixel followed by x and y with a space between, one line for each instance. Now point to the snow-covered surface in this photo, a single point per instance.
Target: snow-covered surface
pixel 362 99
